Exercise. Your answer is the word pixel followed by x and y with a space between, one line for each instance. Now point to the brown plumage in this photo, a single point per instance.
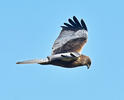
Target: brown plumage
pixel 67 47
pixel 81 61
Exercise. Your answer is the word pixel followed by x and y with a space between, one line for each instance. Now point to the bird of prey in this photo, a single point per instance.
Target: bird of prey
pixel 66 50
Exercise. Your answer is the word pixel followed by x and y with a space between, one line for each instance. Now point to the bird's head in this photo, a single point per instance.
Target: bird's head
pixel 85 60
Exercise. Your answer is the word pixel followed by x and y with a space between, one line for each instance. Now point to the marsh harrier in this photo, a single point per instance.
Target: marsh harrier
pixel 66 50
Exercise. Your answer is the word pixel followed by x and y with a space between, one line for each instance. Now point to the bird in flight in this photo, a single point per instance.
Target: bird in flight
pixel 66 50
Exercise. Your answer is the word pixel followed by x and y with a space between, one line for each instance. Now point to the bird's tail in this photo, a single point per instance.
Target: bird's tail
pixel 35 61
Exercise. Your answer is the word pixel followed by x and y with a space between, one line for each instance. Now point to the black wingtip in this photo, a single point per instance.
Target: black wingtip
pixel 74 24
pixel 74 17
pixel 84 25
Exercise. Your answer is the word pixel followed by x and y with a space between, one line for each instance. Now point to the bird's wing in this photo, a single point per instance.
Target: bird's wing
pixel 70 56
pixel 72 38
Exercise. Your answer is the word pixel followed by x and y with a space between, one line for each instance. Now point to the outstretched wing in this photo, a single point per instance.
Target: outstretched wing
pixel 72 37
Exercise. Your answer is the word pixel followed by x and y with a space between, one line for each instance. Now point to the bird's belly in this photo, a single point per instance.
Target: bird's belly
pixel 66 64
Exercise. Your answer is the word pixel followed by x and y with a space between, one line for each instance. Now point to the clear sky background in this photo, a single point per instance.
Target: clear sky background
pixel 28 29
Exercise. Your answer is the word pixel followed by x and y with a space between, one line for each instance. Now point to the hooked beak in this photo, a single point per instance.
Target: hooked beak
pixel 88 66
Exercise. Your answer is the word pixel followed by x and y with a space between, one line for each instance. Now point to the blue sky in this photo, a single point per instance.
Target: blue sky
pixel 28 29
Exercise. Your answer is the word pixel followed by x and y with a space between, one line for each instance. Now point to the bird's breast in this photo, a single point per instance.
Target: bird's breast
pixel 66 64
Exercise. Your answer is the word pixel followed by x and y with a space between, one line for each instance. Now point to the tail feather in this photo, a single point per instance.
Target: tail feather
pixel 34 61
